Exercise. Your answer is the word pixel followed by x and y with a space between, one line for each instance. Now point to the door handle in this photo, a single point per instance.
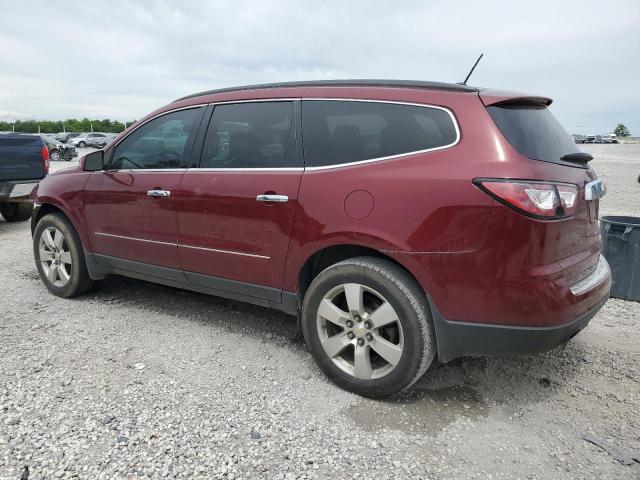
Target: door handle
pixel 159 193
pixel 272 198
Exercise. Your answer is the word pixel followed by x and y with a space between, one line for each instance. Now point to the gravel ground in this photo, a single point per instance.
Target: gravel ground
pixel 137 380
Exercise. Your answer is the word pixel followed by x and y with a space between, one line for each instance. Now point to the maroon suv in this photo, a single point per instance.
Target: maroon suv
pixel 399 220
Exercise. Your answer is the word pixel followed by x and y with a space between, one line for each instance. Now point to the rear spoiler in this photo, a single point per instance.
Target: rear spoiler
pixel 500 97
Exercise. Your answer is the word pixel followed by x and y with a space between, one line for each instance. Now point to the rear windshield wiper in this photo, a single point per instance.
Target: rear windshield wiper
pixel 578 157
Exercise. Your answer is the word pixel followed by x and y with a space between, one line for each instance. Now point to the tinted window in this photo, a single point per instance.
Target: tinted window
pixel 250 135
pixel 533 131
pixel 336 132
pixel 148 147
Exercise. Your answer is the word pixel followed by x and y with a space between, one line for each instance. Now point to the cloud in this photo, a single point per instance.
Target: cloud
pixel 11 116
pixel 123 59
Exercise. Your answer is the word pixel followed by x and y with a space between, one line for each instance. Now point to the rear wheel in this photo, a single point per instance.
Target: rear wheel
pixel 368 326
pixel 16 211
pixel 59 257
pixel 82 144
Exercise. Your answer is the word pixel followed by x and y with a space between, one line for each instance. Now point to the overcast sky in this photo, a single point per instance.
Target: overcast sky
pixel 122 59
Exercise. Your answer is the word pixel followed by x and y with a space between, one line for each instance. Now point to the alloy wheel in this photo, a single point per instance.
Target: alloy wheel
pixel 55 156
pixel 55 257
pixel 360 331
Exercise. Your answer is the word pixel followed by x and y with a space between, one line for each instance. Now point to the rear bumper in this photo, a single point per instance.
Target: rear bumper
pixel 17 190
pixel 462 339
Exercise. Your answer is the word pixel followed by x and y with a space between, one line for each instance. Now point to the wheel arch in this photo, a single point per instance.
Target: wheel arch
pixel 41 211
pixel 332 254
pixel 47 208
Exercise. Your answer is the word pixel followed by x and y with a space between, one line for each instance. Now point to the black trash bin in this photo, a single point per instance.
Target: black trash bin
pixel 621 248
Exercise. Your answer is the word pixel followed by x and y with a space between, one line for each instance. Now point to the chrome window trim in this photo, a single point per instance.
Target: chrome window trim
pixel 298 169
pixel 338 165
pixel 144 170
pixel 176 244
pixel 140 124
pixel 115 145
pixel 268 169
pixel 257 100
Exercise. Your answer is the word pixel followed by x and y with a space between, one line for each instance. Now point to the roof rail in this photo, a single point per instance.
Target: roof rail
pixel 453 87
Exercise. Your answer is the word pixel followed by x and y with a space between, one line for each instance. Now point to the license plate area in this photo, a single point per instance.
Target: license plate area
pixel 595 190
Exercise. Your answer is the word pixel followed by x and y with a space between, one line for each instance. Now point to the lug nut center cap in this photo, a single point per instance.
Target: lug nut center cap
pixel 360 330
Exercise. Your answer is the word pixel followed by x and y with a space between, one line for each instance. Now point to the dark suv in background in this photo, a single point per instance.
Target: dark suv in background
pixel 58 150
pixel 399 221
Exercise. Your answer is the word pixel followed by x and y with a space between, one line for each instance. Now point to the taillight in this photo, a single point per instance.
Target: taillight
pixel 45 159
pixel 547 200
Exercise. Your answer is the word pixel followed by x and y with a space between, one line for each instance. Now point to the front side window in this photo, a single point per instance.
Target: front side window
pixel 250 135
pixel 337 132
pixel 159 143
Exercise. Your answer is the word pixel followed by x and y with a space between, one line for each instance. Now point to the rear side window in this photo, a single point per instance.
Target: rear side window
pixel 337 131
pixel 533 131
pixel 250 135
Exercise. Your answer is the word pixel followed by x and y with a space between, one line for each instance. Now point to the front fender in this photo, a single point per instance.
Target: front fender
pixel 63 192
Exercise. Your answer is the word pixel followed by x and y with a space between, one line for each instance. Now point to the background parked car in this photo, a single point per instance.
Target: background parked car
pixel 102 142
pixel 57 150
pixel 64 137
pixel 88 139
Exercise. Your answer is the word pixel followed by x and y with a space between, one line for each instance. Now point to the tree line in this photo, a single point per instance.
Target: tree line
pixel 621 131
pixel 70 125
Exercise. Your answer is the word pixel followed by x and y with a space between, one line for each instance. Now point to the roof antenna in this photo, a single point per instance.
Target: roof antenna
pixel 472 69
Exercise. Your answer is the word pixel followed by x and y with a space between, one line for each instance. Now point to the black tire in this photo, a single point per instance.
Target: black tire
pixel 16 211
pixel 79 281
pixel 82 145
pixel 409 302
pixel 55 155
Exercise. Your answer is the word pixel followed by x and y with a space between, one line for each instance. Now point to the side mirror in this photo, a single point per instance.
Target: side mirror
pixel 93 162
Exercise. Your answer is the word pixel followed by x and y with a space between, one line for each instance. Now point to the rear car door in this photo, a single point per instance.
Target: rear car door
pixel 130 207
pixel 237 206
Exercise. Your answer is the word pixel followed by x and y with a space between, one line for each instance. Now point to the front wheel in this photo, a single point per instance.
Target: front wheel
pixel 82 145
pixel 55 155
pixel 59 257
pixel 368 326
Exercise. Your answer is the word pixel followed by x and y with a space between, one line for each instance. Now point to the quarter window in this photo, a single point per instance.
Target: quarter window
pixel 338 132
pixel 250 135
pixel 159 143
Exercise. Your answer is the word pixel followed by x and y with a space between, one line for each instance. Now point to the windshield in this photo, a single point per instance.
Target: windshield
pixel 534 132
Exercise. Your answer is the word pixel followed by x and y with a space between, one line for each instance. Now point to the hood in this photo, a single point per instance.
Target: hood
pixel 66 171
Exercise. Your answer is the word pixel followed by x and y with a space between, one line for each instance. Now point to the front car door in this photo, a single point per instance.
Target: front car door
pixel 237 206
pixel 130 207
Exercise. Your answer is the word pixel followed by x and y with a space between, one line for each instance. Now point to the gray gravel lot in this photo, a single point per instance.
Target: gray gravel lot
pixel 137 380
